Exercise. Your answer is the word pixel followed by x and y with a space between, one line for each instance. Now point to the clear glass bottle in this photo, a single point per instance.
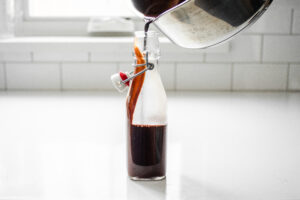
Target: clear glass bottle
pixel 146 105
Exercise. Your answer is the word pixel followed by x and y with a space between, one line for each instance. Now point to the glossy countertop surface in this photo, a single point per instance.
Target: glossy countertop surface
pixel 64 146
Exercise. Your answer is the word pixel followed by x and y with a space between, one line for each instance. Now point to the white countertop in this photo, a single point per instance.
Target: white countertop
pixel 220 146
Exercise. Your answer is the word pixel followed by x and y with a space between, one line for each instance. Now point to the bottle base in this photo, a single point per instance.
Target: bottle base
pixel 156 178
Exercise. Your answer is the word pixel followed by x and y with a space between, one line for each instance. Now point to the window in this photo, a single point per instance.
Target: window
pixel 66 17
pixel 77 8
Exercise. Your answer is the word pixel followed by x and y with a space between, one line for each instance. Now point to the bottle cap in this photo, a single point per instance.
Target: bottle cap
pixel 117 81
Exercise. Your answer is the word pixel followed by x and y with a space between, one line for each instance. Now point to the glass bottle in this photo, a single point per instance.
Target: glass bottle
pixel 146 105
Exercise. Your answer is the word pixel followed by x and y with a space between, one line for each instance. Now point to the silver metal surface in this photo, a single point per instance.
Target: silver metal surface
pixel 149 66
pixel 204 23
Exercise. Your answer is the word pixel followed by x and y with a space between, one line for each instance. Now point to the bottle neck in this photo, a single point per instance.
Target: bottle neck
pixel 155 63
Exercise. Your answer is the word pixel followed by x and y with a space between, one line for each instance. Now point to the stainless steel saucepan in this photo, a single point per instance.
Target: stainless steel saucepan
pixel 204 23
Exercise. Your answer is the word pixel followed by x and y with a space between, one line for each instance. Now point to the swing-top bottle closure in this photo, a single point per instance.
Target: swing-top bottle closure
pixel 121 80
pixel 149 44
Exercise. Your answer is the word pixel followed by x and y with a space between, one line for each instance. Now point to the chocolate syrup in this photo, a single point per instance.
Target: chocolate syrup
pixel 146 28
pixel 146 151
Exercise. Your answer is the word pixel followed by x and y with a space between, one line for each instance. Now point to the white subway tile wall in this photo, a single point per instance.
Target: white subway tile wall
pixel 266 56
pixel 269 22
pixel 294 77
pixel 2 77
pixel 109 56
pixel 60 56
pixel 288 3
pixel 173 53
pixel 296 22
pixel 260 77
pixel 112 53
pixel 281 48
pixel 182 56
pixel 196 76
pixel 244 48
pixel 15 56
pixel 96 76
pixel 32 76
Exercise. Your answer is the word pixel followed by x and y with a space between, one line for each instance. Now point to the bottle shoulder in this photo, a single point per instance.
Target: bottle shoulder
pixel 151 106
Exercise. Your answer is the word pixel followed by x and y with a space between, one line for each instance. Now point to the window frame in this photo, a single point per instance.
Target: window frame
pixel 52 26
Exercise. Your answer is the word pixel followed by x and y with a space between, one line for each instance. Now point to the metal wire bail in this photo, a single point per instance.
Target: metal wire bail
pixel 149 66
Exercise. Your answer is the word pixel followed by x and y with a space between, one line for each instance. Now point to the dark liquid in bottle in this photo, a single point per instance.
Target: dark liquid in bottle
pixel 146 151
